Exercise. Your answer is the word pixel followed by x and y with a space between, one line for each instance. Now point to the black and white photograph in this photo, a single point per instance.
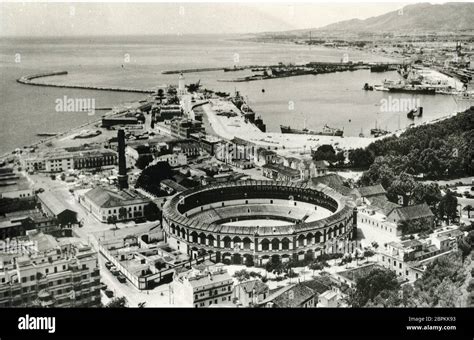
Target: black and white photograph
pixel 166 156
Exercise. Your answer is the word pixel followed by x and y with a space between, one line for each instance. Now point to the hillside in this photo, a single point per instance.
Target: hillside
pixel 418 17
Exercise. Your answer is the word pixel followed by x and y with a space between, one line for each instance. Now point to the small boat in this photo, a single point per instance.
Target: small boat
pixel 416 112
pixel 368 87
pixel 47 134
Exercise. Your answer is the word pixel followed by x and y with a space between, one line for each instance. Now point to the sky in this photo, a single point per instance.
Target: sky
pixel 85 19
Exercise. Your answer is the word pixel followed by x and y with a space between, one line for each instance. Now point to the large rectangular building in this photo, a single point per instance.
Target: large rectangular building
pixel 46 272
pixel 60 160
pixel 107 205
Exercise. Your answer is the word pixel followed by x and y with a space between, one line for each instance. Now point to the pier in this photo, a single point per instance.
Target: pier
pixel 30 80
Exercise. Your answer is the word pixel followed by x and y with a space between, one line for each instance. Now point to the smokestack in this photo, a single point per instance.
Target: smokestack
pixel 122 176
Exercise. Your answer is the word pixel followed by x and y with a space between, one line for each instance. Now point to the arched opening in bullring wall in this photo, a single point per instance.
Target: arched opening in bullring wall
pixel 202 238
pixel 285 244
pixel 194 237
pixel 247 243
pixel 265 244
pixel 248 260
pixel 275 244
pixel 318 237
pixel 237 258
pixel 227 241
pixel 301 239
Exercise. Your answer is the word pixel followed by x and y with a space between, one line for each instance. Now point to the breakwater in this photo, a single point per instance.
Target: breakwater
pixel 30 80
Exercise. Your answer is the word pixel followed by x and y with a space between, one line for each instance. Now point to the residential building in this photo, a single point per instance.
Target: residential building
pixel 295 295
pixel 46 272
pixel 60 160
pixel 280 172
pixel 250 293
pixel 408 259
pixel 173 159
pixel 203 286
pixel 18 223
pixel 183 128
pixel 264 156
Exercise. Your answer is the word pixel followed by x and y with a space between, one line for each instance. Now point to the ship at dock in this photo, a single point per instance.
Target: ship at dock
pixel 327 131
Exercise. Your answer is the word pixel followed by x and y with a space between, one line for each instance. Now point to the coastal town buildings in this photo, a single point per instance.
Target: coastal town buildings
pixel 46 272
pixel 60 160
pixel 19 222
pixel 408 259
pixel 15 185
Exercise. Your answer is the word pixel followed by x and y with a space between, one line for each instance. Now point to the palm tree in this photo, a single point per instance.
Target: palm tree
pixel 468 208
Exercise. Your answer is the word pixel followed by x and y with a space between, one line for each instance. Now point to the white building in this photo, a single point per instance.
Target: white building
pixel 173 159
pixel 203 286
pixel 107 205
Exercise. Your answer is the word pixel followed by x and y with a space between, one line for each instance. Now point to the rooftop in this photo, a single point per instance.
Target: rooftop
pixel 372 190
pixel 106 198
pixel 413 212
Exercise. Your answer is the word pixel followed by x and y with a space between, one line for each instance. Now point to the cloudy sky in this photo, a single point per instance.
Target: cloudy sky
pixel 61 19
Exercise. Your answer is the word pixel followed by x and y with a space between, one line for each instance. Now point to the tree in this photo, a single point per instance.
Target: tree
pixel 152 212
pixel 371 285
pixel 448 206
pixel 143 161
pixel 361 158
pixel 122 213
pixel 151 177
pixel 118 302
pixel 403 185
pixel 468 208
pixel 325 153
pixel 379 173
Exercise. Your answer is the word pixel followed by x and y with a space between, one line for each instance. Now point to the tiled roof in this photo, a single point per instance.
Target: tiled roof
pixel 257 285
pixel 319 285
pixel 383 204
pixel 413 212
pixel 282 298
pixel 105 198
pixel 372 190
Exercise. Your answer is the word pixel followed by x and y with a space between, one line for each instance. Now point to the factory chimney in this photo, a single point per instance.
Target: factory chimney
pixel 122 175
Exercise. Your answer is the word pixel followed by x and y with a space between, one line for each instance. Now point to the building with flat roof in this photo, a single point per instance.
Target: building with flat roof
pixel 47 272
pixel 203 286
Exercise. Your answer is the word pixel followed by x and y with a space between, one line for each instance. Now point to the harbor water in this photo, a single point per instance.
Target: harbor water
pixel 335 99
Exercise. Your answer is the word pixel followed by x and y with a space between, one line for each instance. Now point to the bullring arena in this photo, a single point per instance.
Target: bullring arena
pixel 251 222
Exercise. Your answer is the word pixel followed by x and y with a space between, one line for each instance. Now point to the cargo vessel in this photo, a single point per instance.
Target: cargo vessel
pixel 327 131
